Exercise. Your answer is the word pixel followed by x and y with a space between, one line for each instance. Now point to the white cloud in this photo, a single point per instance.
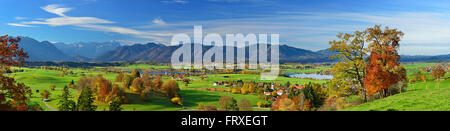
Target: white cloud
pixel 56 9
pixel 228 1
pixel 19 25
pixel 91 23
pixel 159 21
pixel 20 18
pixel 66 20
pixel 175 1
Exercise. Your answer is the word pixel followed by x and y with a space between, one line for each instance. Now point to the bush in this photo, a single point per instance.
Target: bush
pixel 236 91
pixel 176 100
pixel 45 94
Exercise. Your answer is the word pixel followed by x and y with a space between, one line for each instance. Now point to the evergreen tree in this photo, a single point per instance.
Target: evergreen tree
pixel 313 95
pixel 86 100
pixel 115 105
pixel 65 104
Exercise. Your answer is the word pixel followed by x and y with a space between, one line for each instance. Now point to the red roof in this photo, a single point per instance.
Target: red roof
pixel 299 87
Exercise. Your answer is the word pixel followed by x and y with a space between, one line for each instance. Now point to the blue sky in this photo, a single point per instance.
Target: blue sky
pixel 300 23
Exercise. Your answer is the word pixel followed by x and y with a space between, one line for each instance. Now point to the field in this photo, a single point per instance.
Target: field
pixel 417 97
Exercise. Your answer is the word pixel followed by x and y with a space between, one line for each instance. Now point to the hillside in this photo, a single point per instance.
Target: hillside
pixel 41 51
pixel 162 53
pixel 113 51
pixel 417 98
pixel 87 49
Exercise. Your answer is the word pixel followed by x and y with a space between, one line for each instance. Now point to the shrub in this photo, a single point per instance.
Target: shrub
pixel 45 94
pixel 236 91
pixel 176 100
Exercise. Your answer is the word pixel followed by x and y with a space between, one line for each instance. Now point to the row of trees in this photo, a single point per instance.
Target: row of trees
pixel 309 98
pixel 145 84
pixel 85 101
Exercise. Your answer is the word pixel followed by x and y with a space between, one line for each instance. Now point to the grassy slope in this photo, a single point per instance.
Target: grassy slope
pixel 420 99
pixel 417 97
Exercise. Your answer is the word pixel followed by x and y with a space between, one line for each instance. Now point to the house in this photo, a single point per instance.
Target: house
pixel 218 83
pixel 267 93
pixel 299 87
pixel 280 92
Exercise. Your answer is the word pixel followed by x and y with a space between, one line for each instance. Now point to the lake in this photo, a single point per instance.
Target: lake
pixel 310 76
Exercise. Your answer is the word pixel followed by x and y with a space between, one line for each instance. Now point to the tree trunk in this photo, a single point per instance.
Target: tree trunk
pixel 361 83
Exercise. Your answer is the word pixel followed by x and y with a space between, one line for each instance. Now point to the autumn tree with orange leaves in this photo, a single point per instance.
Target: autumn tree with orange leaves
pixel 13 95
pixel 438 72
pixel 383 69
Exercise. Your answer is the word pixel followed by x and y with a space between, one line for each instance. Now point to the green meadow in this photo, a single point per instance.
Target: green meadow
pixel 416 97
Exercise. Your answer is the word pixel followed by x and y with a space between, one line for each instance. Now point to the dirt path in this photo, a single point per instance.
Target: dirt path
pixel 48 106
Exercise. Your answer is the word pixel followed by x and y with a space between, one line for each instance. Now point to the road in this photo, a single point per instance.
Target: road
pixel 48 106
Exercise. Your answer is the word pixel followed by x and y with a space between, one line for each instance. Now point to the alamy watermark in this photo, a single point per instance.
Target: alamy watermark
pixel 257 52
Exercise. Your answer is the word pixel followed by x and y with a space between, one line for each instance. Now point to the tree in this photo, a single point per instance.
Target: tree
pixel 228 103
pixel 13 95
pixel 438 72
pixel 244 89
pixel 45 94
pixel 119 77
pixel 244 105
pixel 115 105
pixel 157 83
pixel 176 100
pixel 170 88
pixel 383 69
pixel 259 104
pixel 424 78
pixel 147 80
pixel 86 100
pixel 137 86
pixel 135 73
pixel 206 107
pixel 350 50
pixel 52 87
pixel 66 104
pixel 127 81
pixel 283 103
pixel 315 94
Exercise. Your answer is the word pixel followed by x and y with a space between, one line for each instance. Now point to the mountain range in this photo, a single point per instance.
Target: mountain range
pixel 114 51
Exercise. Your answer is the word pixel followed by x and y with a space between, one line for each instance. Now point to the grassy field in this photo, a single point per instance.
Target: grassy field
pixel 417 96
pixel 39 79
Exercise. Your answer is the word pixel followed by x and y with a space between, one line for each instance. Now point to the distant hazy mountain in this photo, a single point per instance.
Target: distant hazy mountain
pixel 139 52
pixel 438 58
pixel 162 53
pixel 41 51
pixel 89 49
pixel 77 58
pixel 112 51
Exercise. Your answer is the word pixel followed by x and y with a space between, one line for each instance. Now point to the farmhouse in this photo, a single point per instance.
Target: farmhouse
pixel 220 83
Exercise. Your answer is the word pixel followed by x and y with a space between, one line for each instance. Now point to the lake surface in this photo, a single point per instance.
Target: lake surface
pixel 310 76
